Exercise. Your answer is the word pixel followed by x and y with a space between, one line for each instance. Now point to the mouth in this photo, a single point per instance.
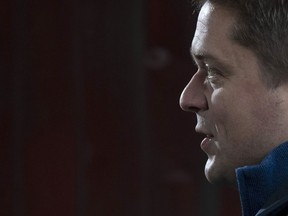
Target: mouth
pixel 207 143
pixel 209 136
pixel 208 140
pixel 206 133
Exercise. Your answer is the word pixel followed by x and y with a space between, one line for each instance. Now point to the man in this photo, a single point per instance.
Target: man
pixel 240 97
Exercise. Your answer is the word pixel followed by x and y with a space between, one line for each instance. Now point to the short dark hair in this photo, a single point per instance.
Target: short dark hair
pixel 261 26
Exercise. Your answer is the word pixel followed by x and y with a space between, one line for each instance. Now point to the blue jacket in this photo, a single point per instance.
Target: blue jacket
pixel 263 188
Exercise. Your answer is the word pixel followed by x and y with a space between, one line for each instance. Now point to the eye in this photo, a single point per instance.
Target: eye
pixel 213 74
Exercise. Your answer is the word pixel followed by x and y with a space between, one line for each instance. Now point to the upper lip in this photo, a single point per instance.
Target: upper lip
pixel 204 131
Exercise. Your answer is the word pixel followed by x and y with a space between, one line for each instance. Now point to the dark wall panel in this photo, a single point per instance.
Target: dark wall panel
pixel 90 121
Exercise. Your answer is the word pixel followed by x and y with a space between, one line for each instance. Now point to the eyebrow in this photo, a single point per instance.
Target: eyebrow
pixel 206 57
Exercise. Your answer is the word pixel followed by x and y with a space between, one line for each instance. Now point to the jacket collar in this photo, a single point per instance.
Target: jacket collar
pixel 257 183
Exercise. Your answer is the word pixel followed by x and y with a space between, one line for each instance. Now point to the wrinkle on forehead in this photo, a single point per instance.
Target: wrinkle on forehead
pixel 212 41
pixel 210 20
pixel 204 16
pixel 207 8
pixel 202 25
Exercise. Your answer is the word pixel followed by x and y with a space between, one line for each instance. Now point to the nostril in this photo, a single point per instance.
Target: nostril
pixel 193 109
pixel 188 107
pixel 193 105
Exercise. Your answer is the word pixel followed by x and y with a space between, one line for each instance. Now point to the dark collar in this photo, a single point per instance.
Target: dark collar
pixel 257 183
pixel 275 206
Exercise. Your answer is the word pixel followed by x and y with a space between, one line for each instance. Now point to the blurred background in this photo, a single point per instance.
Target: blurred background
pixel 90 121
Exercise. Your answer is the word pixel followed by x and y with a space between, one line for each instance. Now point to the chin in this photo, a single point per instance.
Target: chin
pixel 219 177
pixel 212 178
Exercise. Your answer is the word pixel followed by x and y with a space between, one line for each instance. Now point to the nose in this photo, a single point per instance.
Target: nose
pixel 193 97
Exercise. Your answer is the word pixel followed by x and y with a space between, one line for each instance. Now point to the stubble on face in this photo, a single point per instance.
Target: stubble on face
pixel 240 115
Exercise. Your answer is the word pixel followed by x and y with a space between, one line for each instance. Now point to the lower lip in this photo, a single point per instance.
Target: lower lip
pixel 206 142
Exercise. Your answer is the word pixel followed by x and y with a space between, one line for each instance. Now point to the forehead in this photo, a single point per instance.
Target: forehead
pixel 214 27
pixel 213 44
pixel 213 37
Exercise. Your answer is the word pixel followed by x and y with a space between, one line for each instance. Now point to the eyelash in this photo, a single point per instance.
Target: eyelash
pixel 211 73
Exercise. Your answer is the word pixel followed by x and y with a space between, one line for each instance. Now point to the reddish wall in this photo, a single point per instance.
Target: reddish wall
pixel 90 121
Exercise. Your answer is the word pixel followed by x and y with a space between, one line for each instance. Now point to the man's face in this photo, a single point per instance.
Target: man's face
pixel 236 111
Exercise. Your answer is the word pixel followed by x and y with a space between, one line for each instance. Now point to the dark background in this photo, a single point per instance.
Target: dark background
pixel 90 121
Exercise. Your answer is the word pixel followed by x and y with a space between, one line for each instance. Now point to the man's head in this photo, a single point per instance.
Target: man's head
pixel 239 107
pixel 262 26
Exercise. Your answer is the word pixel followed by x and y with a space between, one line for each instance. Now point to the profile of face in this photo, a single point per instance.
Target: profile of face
pixel 239 115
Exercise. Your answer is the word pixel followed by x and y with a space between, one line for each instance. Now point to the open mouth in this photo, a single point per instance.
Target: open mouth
pixel 209 136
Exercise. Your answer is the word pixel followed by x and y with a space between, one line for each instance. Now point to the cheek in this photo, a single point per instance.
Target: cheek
pixel 225 109
pixel 231 116
pixel 238 122
pixel 234 108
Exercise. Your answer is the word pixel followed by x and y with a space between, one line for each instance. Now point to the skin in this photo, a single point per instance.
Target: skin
pixel 245 119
